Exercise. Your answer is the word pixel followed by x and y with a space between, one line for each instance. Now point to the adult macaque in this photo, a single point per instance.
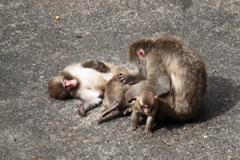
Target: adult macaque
pixel 85 81
pixel 172 71
pixel 146 104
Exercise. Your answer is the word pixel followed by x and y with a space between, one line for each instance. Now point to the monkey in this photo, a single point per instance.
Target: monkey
pixel 114 97
pixel 146 104
pixel 171 70
pixel 85 81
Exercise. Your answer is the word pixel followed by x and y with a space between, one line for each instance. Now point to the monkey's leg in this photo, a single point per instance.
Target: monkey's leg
pixel 89 104
pixel 109 110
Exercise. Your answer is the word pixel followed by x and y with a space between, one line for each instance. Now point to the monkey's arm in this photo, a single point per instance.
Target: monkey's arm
pixel 92 99
pixel 149 126
pixel 158 85
pixel 89 104
pixel 134 119
pixel 97 65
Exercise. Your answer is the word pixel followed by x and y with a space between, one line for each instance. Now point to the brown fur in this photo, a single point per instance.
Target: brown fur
pixel 114 97
pixel 91 77
pixel 146 98
pixel 97 65
pixel 56 89
pixel 171 70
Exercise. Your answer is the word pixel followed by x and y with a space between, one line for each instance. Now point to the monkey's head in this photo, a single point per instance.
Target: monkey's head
pixel 147 101
pixel 62 86
pixel 139 49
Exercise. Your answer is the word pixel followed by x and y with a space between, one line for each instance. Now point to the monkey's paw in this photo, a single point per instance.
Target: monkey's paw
pixel 123 78
pixel 82 111
pixel 148 134
pixel 100 117
pixel 134 127
pixel 128 110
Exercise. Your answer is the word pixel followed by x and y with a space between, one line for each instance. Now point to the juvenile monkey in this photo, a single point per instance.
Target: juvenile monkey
pixel 85 81
pixel 146 104
pixel 172 71
pixel 114 97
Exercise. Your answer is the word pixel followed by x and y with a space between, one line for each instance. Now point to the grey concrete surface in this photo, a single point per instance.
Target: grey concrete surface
pixel 34 46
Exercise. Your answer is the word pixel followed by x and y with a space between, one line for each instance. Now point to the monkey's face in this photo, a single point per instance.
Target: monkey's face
pixel 147 109
pixel 56 89
pixel 68 85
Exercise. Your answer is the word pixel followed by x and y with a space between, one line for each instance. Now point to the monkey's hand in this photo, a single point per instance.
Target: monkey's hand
pixel 128 110
pixel 134 127
pixel 127 78
pixel 148 133
pixel 82 111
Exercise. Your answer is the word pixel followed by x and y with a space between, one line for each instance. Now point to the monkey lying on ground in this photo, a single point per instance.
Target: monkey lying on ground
pixel 85 81
pixel 171 70
pixel 146 104
pixel 114 97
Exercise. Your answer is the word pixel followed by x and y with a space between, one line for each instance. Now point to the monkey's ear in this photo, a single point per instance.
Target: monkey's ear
pixel 141 53
pixel 135 99
pixel 156 97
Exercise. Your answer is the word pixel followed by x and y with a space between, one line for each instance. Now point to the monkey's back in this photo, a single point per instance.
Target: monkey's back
pixel 188 76
pixel 114 91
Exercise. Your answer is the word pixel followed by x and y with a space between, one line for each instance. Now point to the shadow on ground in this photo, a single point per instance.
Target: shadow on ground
pixel 222 94
pixel 220 97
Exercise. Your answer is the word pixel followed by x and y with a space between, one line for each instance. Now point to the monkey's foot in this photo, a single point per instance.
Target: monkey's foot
pixel 109 110
pixel 82 111
pixel 100 117
pixel 148 134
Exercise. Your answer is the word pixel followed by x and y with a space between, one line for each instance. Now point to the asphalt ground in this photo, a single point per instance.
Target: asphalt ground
pixel 34 46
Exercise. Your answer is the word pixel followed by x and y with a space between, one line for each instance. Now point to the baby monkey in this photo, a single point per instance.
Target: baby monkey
pixel 146 104
pixel 114 97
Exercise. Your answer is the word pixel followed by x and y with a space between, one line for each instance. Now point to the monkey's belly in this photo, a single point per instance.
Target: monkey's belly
pixel 86 94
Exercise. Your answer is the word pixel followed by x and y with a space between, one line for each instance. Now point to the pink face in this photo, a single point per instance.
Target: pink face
pixel 146 109
pixel 69 84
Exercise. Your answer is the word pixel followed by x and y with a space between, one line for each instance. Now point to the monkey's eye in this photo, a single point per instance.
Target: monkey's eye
pixel 143 107
pixel 146 106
